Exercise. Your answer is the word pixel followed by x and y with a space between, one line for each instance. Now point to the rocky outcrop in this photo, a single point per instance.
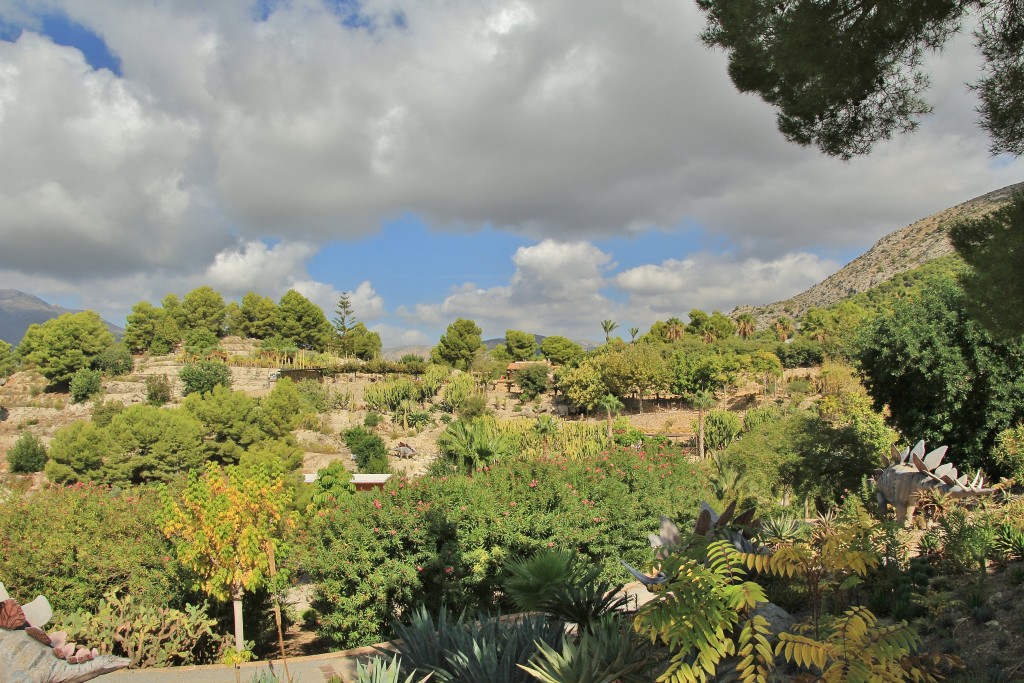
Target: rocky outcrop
pixel 897 252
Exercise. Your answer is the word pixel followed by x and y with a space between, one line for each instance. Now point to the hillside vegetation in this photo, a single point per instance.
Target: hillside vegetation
pixel 898 252
pixel 522 476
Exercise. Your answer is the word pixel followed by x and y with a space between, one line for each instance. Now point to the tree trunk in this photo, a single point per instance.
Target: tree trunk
pixel 277 612
pixel 239 635
pixel 700 434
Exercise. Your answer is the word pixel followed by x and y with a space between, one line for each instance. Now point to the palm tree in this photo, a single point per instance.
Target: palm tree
pixel 745 325
pixel 472 444
pixel 701 400
pixel 546 426
pixel 608 326
pixel 674 329
pixel 613 405
pixel 633 331
pixel 783 327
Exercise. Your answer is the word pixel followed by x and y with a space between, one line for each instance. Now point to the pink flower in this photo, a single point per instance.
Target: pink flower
pixel 448 570
pixel 376 503
pixel 533 483
pixel 419 568
pixel 512 504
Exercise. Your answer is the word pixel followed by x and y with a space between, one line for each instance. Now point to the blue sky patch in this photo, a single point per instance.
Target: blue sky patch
pixel 62 30
pixel 407 261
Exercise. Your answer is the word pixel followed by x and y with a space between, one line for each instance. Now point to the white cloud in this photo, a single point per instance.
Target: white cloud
pixel 367 304
pixel 253 266
pixel 556 286
pixel 93 180
pixel 717 282
pixel 559 120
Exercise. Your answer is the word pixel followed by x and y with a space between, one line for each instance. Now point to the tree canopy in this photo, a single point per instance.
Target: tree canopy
pixel 993 247
pixel 846 74
pixel 520 345
pixel 560 350
pixel 943 377
pixel 302 322
pixel 61 346
pixel 458 344
pixel 204 308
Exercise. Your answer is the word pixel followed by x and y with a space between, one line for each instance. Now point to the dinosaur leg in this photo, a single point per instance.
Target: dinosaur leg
pixel 901 514
pixel 911 507
pixel 883 504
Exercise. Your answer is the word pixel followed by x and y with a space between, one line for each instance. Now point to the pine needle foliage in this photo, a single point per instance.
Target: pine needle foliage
pixel 860 650
pixel 705 615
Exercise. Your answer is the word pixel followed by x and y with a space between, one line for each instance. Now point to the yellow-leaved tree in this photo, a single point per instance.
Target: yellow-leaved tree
pixel 227 526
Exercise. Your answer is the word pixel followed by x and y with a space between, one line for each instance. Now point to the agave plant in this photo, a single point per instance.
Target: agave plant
pixel 483 649
pixel 778 530
pixel 1009 541
pixel 382 671
pixel 608 654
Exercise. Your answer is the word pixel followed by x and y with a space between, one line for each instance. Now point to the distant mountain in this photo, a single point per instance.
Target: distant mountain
pixel 897 252
pixel 18 310
pixel 491 343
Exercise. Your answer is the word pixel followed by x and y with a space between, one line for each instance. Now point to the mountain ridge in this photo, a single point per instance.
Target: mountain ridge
pixel 19 309
pixel 897 252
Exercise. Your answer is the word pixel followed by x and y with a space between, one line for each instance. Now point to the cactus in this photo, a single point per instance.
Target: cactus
pixel 148 636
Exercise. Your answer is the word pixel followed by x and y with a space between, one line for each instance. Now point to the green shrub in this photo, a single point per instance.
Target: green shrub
pixel 372 419
pixel 444 538
pixel 799 386
pixel 158 390
pixel 203 376
pixel 114 360
pixel 474 406
pixel 532 380
pixel 200 341
pixel 1008 453
pixel 800 353
pixel 761 416
pixel 367 449
pixel 316 395
pixel 27 455
pixel 85 383
pixel 108 540
pixel 104 411
pixel 626 434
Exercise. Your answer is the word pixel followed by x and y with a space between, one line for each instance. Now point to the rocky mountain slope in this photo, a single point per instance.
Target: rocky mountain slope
pixel 18 310
pixel 895 253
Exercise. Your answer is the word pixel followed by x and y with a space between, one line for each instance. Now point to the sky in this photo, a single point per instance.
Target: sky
pixel 539 166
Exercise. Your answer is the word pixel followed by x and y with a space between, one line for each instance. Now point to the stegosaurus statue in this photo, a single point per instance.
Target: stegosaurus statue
pixel 911 472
